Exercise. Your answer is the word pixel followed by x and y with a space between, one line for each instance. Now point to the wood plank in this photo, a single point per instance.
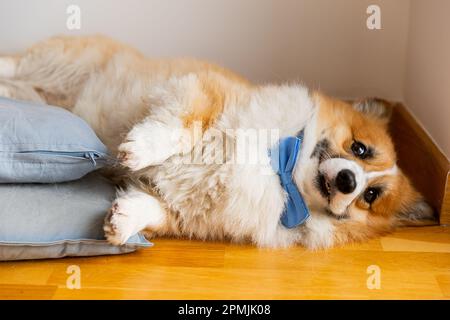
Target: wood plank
pixel 393 244
pixel 444 284
pixel 421 160
pixel 188 269
pixel 445 216
pixel 25 272
pixel 26 292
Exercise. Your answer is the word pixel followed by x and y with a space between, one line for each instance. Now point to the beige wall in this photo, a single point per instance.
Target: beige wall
pixel 427 82
pixel 324 43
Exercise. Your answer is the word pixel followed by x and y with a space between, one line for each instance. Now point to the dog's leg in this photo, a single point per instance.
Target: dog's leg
pixel 17 89
pixel 58 68
pixel 167 130
pixel 132 211
pixel 150 143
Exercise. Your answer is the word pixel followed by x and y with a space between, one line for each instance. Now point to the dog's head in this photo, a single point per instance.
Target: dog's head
pixel 352 173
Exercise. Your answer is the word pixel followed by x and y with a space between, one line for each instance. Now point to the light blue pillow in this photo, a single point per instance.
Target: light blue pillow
pixel 45 144
pixel 39 221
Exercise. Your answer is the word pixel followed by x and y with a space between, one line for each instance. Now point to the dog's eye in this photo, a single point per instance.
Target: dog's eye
pixel 371 194
pixel 359 149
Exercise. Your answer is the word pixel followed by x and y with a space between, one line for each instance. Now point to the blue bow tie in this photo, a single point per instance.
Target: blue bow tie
pixel 283 157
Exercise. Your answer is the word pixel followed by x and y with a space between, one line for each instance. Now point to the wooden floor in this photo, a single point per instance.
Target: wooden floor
pixel 413 263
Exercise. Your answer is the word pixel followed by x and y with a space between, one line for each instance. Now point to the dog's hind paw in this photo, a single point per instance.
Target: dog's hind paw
pixel 119 226
pixel 132 212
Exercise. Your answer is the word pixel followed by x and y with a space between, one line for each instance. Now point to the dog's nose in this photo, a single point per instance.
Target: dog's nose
pixel 346 181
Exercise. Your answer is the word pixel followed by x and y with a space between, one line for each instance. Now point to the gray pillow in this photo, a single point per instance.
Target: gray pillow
pixel 56 220
pixel 41 143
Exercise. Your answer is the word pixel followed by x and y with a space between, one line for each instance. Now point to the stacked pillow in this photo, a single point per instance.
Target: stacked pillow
pixel 40 146
pixel 40 143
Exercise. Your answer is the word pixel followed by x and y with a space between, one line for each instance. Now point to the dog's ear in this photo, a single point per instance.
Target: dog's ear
pixel 416 213
pixel 375 107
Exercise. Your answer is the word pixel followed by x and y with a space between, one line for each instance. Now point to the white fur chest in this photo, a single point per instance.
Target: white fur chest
pixel 221 200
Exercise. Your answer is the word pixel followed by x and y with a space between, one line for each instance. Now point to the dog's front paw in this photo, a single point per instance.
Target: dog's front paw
pixel 119 226
pixel 148 144
pixel 133 155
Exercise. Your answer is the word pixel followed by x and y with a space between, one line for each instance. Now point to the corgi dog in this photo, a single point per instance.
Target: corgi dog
pixel 153 114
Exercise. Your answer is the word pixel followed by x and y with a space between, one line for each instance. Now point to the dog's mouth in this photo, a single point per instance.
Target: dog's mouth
pixel 324 186
pixel 325 189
